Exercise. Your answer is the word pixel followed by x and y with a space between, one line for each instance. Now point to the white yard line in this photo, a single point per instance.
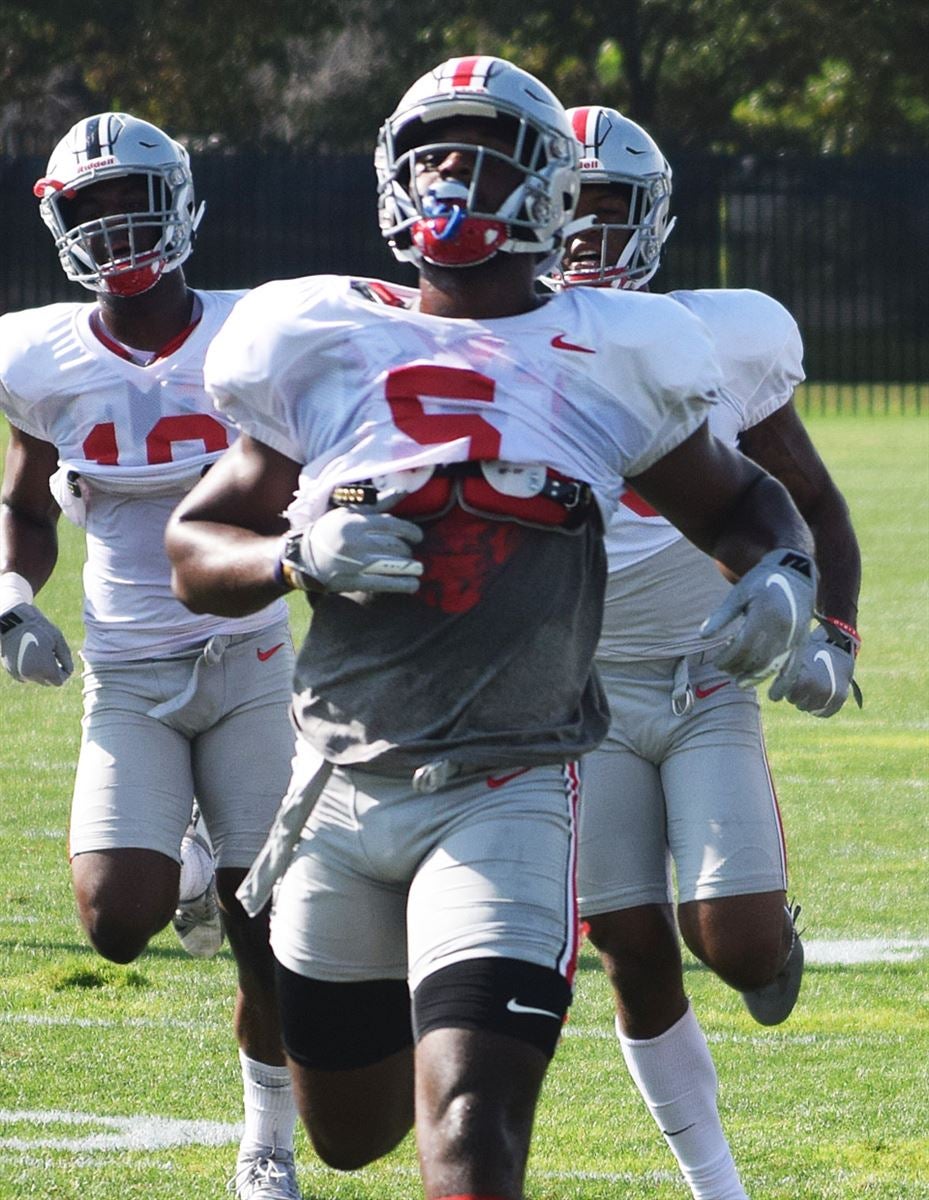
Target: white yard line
pixel 112 1134
pixel 852 951
pixel 43 1019
pixel 122 1133
pixel 159 1133
pixel 843 951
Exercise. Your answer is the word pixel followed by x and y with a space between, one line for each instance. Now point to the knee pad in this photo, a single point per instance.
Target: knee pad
pixel 339 1026
pixel 503 995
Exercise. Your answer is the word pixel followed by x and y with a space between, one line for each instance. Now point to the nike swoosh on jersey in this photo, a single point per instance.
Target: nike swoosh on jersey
pixel 264 655
pixel 495 781
pixel 702 693
pixel 29 639
pixel 514 1006
pixel 558 341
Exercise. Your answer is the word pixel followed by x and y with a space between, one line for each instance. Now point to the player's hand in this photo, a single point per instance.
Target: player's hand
pixel 769 611
pixel 819 677
pixel 351 551
pixel 32 649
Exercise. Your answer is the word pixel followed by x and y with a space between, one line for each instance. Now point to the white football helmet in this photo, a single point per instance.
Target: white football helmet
pixel 617 150
pixel 111 146
pixel 444 226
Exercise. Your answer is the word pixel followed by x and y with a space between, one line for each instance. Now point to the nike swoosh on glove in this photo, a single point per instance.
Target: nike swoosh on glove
pixel 769 610
pixel 819 678
pixel 32 649
pixel 351 551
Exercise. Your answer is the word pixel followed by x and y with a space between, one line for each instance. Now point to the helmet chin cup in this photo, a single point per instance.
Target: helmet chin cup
pixel 132 281
pixel 457 240
pixel 616 277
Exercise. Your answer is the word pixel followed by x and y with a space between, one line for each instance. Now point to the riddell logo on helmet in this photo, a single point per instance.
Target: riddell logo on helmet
pixel 95 163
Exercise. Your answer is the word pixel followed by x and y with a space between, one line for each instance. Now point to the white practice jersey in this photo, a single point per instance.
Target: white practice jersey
pixel 345 379
pixel 131 440
pixel 661 587
pixel 594 385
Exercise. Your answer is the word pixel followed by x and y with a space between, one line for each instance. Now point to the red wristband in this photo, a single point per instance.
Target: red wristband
pixel 849 630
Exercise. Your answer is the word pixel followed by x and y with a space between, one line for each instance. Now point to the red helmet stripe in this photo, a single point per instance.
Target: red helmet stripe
pixel 579 121
pixel 463 76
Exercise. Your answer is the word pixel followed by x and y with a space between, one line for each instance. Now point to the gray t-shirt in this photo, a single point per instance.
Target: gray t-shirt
pixel 488 664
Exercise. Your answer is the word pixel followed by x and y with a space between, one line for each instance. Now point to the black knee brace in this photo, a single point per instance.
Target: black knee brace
pixel 338 1026
pixel 503 995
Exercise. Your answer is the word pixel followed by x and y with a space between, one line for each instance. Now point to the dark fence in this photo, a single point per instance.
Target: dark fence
pixel 842 243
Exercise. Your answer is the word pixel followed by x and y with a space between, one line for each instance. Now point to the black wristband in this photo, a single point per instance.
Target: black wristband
pixel 290 572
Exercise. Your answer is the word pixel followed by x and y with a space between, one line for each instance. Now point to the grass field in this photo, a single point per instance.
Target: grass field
pixel 121 1083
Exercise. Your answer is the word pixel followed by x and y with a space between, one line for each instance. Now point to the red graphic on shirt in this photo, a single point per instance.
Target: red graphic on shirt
pixel 639 506
pixel 462 552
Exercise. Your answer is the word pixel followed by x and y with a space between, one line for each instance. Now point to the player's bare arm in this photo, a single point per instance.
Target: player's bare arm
pixel 781 445
pixel 232 540
pixel 224 539
pixel 822 678
pixel 722 502
pixel 32 649
pixel 28 512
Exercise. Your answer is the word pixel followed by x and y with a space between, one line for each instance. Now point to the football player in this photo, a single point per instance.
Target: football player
pixel 455 450
pixel 109 422
pixel 682 775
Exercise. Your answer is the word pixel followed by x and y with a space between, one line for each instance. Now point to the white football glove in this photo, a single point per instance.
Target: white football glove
pixel 818 677
pixel 348 550
pixel 773 605
pixel 32 649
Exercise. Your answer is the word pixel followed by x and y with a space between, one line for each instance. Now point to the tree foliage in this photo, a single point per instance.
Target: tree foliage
pixel 211 71
pixel 822 75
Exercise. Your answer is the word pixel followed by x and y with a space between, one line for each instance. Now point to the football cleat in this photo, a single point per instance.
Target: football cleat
pixel 198 921
pixel 199 924
pixel 773 1003
pixel 265 1173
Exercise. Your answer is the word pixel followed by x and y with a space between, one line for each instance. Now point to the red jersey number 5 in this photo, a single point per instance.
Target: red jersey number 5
pixel 408 385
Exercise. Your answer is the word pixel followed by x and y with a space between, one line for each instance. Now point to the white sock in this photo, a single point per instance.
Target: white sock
pixel 677 1079
pixel 270 1111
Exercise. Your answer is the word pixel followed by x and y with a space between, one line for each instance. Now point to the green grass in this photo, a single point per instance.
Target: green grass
pixel 834 1105
pixel 872 398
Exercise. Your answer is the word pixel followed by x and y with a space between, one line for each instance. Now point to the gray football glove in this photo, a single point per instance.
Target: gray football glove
pixel 32 649
pixel 773 605
pixel 348 550
pixel 818 677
